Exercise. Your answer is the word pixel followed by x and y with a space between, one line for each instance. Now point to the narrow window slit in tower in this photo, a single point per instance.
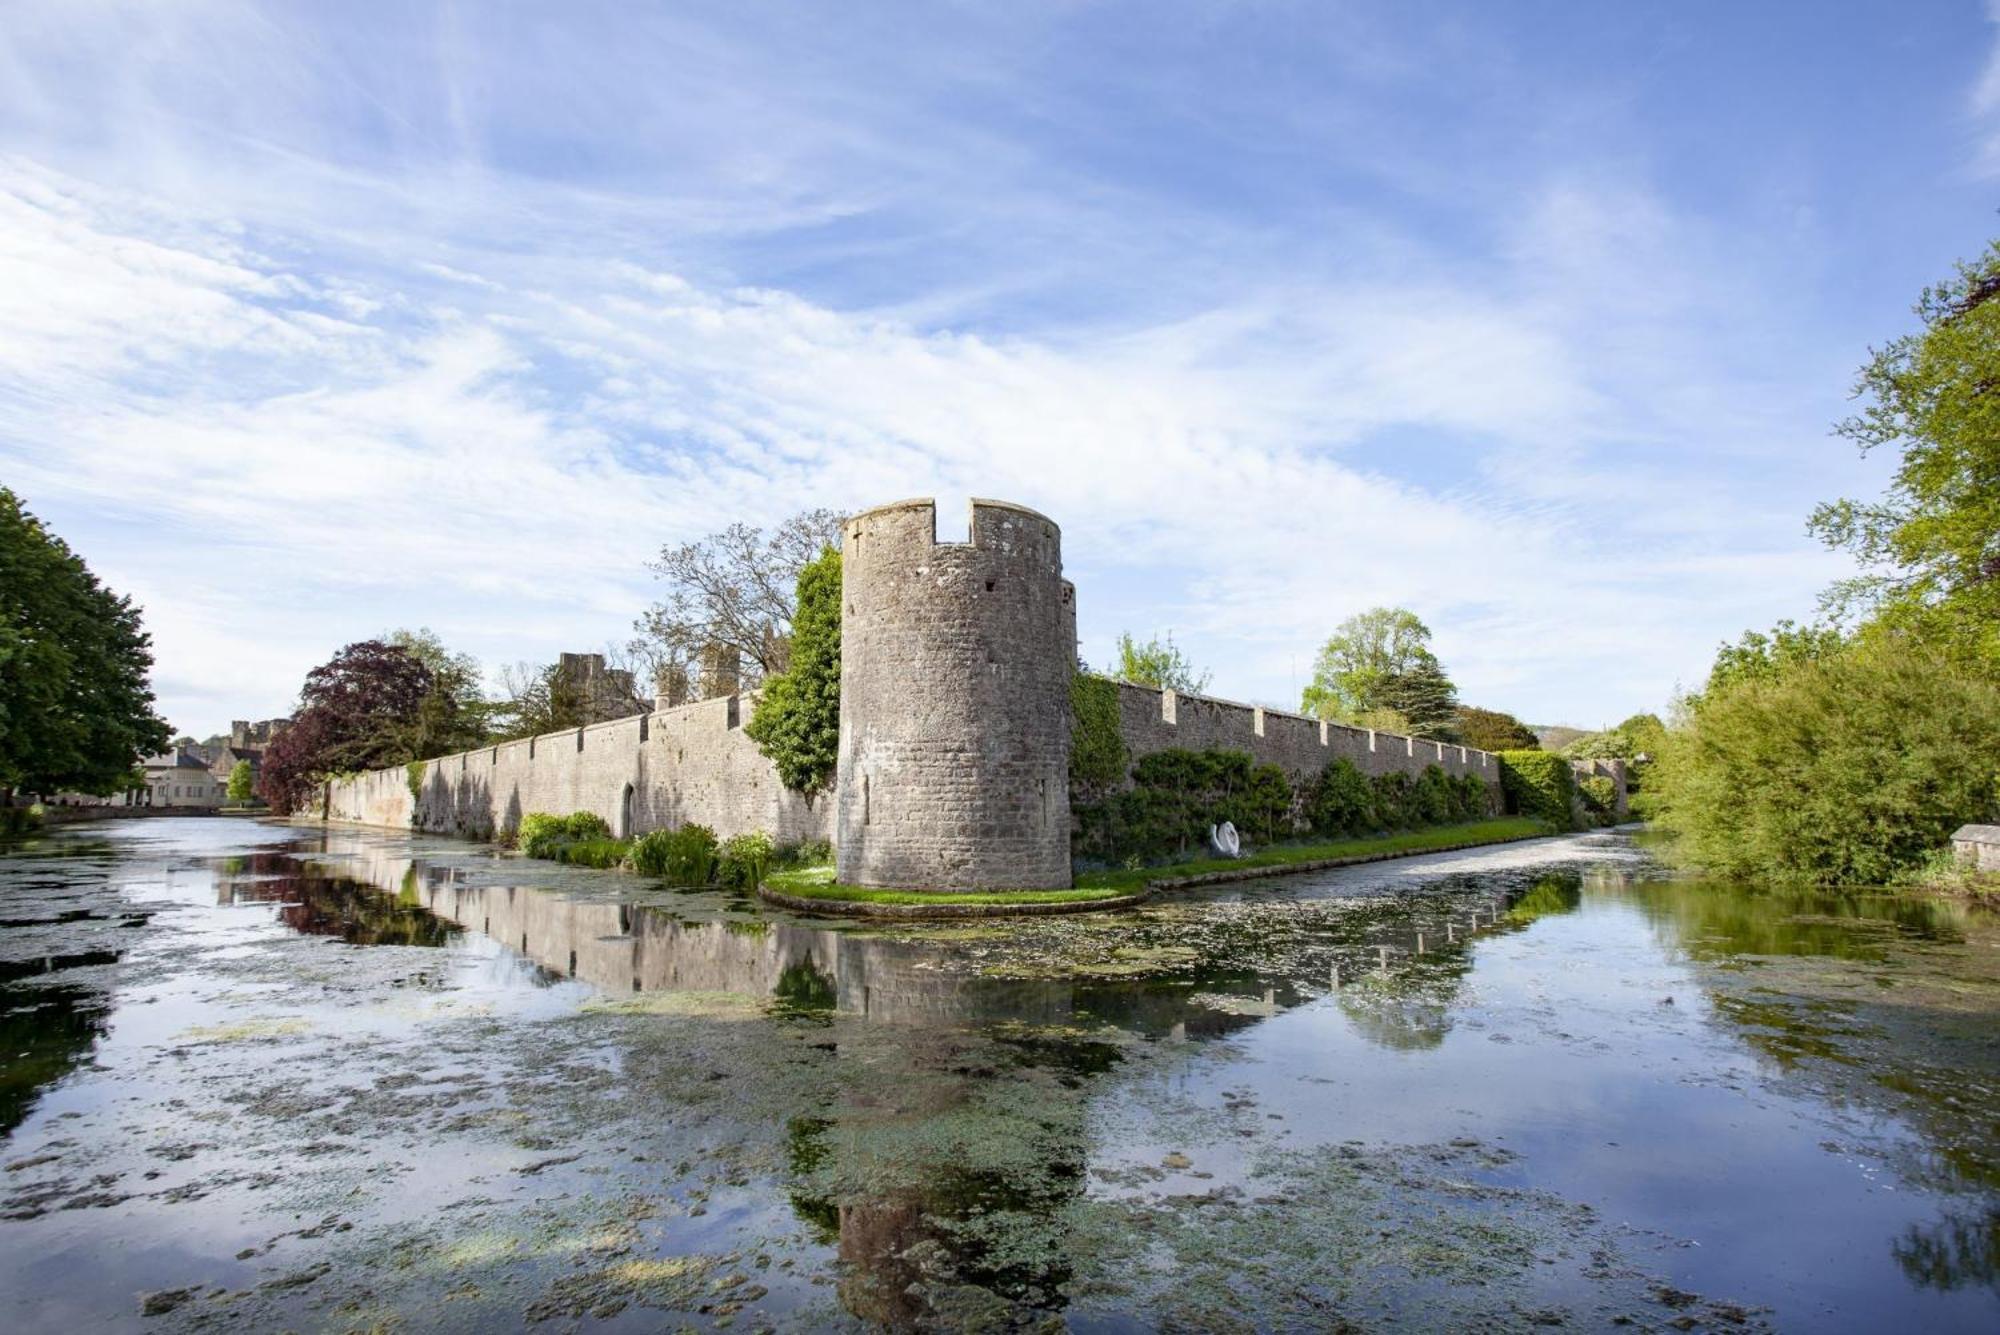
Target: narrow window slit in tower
pixel 867 806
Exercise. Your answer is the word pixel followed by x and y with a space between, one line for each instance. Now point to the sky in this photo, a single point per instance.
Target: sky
pixel 321 320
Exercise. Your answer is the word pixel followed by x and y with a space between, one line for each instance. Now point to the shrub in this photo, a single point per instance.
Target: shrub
pixel 601 853
pixel 1849 768
pixel 1538 784
pixel 1392 801
pixel 744 860
pixel 1433 797
pixel 1341 802
pixel 1475 799
pixel 20 820
pixel 541 833
pixel 1600 796
pixel 804 853
pixel 586 825
pixel 685 856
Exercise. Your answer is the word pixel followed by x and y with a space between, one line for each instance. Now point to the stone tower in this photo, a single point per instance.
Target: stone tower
pixel 955 667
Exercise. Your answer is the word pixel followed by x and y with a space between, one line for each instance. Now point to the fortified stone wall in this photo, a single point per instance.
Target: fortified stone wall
pixel 956 659
pixel 654 771
pixel 1154 720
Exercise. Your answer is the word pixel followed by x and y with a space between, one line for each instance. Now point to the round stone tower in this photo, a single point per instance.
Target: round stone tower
pixel 955 666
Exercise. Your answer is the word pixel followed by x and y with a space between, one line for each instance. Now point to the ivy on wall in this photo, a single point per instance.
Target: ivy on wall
pixel 1097 747
pixel 1539 784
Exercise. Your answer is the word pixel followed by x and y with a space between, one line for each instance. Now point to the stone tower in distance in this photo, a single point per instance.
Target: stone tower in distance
pixel 955 667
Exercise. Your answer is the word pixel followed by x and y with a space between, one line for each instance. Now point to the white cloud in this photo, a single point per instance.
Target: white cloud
pixel 311 457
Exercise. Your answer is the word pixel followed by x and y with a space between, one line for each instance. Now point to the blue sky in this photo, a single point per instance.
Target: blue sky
pixel 318 320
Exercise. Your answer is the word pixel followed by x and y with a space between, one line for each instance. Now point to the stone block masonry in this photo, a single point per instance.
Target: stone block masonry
pixel 953 772
pixel 1151 720
pixel 955 664
pixel 650 772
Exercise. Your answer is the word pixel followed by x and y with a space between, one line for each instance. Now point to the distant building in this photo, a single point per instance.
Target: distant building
pixel 597 693
pixel 180 779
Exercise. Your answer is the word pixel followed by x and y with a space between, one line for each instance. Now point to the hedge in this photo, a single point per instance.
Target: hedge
pixel 1539 784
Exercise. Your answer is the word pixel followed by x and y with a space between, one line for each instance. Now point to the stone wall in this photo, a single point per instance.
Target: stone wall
pixel 955 669
pixel 654 771
pixel 1152 720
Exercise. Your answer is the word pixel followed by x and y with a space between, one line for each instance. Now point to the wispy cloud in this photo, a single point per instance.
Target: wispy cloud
pixel 307 356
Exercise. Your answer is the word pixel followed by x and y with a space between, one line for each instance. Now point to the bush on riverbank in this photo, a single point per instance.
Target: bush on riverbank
pixel 1851 767
pixel 17 821
pixel 543 834
pixel 686 856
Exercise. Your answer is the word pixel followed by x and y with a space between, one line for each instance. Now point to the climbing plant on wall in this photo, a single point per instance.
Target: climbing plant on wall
pixel 797 723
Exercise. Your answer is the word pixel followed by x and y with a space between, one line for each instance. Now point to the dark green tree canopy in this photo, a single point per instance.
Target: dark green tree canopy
pixel 1492 730
pixel 76 704
pixel 1425 698
pixel 797 723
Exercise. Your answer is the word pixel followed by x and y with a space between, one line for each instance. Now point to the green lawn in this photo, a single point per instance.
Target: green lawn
pixel 818 882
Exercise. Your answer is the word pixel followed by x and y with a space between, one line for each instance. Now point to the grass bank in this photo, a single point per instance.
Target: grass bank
pixel 817 883
pixel 1276 859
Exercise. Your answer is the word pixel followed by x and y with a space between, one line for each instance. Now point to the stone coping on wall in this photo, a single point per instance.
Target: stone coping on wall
pixel 1257 715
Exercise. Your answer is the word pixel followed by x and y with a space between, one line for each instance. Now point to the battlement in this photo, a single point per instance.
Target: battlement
pixel 1000 527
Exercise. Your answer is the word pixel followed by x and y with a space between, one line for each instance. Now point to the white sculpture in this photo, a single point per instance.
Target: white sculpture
pixel 1223 841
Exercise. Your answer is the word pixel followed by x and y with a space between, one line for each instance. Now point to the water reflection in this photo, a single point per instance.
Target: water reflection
pixel 317 903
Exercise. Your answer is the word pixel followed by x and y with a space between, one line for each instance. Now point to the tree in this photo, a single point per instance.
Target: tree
pixel 1847 768
pixel 1158 662
pixel 1492 730
pixel 737 590
pixel 1357 661
pixel 361 709
pixel 242 783
pixel 455 714
pixel 1639 735
pixel 1930 548
pixel 76 705
pixel 1425 698
pixel 797 720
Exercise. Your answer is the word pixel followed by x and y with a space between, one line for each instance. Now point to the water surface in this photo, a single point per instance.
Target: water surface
pixel 258 1076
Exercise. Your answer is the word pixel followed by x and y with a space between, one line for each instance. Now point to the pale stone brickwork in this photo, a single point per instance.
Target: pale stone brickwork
pixel 1154 720
pixel 954 730
pixel 955 669
pixel 655 771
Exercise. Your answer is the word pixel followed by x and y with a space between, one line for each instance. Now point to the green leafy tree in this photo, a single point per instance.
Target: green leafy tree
pixel 797 722
pixel 455 714
pixel 1426 700
pixel 76 705
pixel 1158 662
pixel 1850 767
pixel 1491 730
pixel 242 783
pixel 1930 548
pixel 1358 661
pixel 1640 735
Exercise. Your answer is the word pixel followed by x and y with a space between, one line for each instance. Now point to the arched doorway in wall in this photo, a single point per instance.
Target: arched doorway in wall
pixel 625 814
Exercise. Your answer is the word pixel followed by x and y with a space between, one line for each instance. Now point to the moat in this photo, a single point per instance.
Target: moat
pixel 259 1076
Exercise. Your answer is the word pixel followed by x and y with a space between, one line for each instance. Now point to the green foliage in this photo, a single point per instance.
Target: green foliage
pixel 1600 796
pixel 797 722
pixel 1341 802
pixel 1097 746
pixel 454 713
pixel 17 821
pixel 1176 796
pixel 745 860
pixel 1843 768
pixel 76 706
pixel 1426 700
pixel 803 987
pixel 686 856
pixel 1538 784
pixel 1765 657
pixel 1931 547
pixel 413 775
pixel 1491 730
pixel 1381 660
pixel 543 834
pixel 242 783
pixel 804 853
pixel 1158 662
pixel 600 853
pixel 1642 734
pixel 1433 797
